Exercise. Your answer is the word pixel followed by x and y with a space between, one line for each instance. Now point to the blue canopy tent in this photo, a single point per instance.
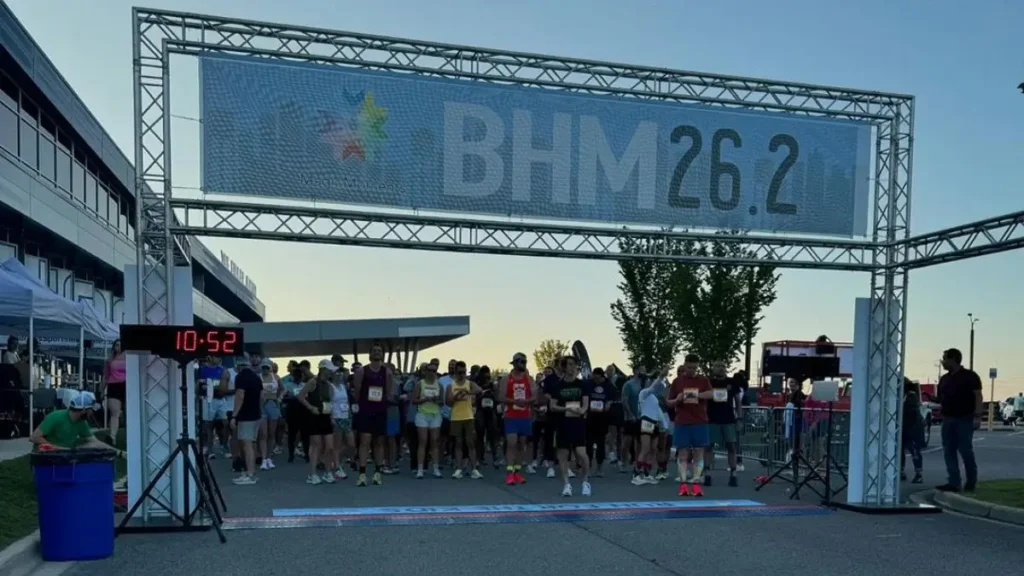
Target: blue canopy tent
pixel 29 308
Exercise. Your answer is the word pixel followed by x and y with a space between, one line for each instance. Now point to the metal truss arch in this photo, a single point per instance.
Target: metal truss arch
pixel 161 33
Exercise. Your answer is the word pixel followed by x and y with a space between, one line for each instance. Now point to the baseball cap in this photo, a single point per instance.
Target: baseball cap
pixel 242 360
pixel 518 356
pixel 328 365
pixel 83 401
pixel 339 359
pixel 266 363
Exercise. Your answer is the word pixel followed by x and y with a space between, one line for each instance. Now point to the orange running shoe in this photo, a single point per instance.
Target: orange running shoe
pixel 510 479
pixel 683 490
pixel 519 478
pixel 697 491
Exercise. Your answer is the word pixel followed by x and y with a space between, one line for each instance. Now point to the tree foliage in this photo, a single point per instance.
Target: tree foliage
pixel 710 310
pixel 548 352
pixel 643 315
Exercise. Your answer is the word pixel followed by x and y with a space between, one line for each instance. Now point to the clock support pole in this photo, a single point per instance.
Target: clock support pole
pixel 196 469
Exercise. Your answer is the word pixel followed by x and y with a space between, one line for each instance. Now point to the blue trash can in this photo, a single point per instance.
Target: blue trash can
pixel 75 494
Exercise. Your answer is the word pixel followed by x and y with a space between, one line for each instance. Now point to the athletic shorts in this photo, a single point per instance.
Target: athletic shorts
pixel 460 429
pixel 216 409
pixel 247 430
pixel 571 433
pixel 394 426
pixel 431 421
pixel 648 426
pixel 721 434
pixel 522 427
pixel 343 425
pixel 320 425
pixel 690 436
pixel 372 423
pixel 271 410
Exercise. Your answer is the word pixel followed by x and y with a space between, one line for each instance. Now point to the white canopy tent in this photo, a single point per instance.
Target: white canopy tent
pixel 28 307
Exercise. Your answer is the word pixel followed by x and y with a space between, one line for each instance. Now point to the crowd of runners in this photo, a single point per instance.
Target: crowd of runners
pixel 563 421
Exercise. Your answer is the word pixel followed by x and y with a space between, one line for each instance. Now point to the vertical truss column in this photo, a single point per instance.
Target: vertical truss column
pixel 888 309
pixel 155 257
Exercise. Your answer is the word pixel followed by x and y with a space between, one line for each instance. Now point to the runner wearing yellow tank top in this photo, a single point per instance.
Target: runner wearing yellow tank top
pixel 460 397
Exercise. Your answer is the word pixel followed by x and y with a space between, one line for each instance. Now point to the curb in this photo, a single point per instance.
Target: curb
pixel 22 557
pixel 978 509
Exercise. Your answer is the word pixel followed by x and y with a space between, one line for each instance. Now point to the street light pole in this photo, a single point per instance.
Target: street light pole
pixel 970 361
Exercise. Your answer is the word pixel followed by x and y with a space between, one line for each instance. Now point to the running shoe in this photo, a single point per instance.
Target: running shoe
pixel 551 472
pixel 265 465
pixel 571 473
pixel 437 472
pixel 684 490
pixel 585 489
pixel 697 491
pixel 740 468
pixel 419 474
pixel 457 474
pixel 377 479
pixel 362 480
pixel 476 475
pixel 328 477
pixel 662 475
pixel 339 474
pixel 638 480
pixel 651 480
pixel 519 478
pixel 531 468
pixel 313 479
pixel 510 479
pixel 270 463
pixel 245 480
pixel 567 490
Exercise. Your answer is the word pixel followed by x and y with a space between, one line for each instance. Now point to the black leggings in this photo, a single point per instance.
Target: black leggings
pixel 544 432
pixel 597 433
pixel 487 430
pixel 295 417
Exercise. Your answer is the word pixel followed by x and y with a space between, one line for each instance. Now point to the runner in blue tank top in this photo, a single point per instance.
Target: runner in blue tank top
pixel 211 405
pixel 372 388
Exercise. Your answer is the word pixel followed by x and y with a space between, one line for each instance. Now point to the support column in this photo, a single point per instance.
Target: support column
pixel 153 402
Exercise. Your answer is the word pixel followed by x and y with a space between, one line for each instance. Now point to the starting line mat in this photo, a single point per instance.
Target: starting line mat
pixel 518 513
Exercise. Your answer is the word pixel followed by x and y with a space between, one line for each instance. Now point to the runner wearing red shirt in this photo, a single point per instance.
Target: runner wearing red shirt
pixel 689 396
pixel 518 393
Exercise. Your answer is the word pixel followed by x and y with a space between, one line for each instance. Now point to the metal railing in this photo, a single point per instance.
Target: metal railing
pixel 768 436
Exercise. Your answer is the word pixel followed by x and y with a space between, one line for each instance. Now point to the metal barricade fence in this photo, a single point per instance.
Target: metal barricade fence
pixel 766 436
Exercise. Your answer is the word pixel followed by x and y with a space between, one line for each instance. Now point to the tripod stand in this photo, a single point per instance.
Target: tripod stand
pixel 829 462
pixel 796 459
pixel 196 469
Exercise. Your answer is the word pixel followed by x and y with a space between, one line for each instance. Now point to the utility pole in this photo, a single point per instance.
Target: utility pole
pixel 970 362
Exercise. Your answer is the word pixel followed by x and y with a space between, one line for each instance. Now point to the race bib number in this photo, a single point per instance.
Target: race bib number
pixel 597 405
pixel 572 405
pixel 647 427
pixel 430 393
pixel 355 408
pixel 375 394
pixel 487 403
pixel 690 396
pixel 720 395
pixel 542 409
pixel 519 393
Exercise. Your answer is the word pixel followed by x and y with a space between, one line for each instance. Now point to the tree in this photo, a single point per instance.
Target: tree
pixel 717 308
pixel 549 352
pixel 644 315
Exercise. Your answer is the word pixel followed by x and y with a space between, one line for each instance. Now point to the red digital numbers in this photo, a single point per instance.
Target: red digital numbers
pixel 228 341
pixel 186 341
pixel 213 341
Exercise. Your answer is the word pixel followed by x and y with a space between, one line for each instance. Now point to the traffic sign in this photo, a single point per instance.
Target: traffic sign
pixel 992 372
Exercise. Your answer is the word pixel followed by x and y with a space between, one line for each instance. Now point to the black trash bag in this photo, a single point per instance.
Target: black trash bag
pixel 72 456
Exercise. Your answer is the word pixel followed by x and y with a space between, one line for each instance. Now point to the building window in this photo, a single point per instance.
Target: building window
pixel 78 181
pixel 9 129
pixel 29 152
pixel 113 210
pixel 47 162
pixel 29 111
pixel 8 92
pixel 90 191
pixel 64 169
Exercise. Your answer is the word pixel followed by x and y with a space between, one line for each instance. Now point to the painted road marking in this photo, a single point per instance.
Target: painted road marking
pixel 514 508
pixel 691 510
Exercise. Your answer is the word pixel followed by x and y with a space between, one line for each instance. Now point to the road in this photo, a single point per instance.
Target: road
pixel 838 543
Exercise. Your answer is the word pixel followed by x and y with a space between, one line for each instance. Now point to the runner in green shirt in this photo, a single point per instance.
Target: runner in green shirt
pixel 69 428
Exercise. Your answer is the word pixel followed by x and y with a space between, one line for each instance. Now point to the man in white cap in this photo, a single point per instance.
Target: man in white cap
pixel 69 428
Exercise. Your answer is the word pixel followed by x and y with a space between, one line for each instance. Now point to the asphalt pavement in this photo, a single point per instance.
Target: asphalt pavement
pixel 840 543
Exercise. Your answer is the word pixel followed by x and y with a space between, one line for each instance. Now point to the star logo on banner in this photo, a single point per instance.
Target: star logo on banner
pixel 360 136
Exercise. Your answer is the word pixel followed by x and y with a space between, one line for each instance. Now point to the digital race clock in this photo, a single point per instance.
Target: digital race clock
pixel 182 341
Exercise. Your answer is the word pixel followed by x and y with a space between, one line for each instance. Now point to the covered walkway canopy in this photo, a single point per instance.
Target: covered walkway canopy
pixel 405 337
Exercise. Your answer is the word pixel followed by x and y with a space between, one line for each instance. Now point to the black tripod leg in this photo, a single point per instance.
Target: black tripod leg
pixel 210 483
pixel 205 501
pixel 215 485
pixel 147 493
pixel 774 476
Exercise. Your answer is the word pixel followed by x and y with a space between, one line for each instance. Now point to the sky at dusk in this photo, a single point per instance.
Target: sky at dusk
pixel 961 61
